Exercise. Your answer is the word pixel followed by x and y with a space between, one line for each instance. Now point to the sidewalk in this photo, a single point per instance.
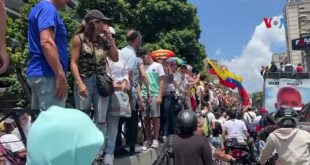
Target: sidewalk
pixel 143 158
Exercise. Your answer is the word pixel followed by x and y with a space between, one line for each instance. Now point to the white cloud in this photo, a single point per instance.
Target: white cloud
pixel 255 54
pixel 218 52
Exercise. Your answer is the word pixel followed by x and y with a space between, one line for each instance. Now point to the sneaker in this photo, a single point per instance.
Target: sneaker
pixel 139 148
pixel 164 139
pixel 108 159
pixel 155 144
pixel 147 143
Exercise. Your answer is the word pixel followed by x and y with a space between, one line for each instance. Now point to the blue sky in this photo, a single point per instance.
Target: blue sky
pixel 228 25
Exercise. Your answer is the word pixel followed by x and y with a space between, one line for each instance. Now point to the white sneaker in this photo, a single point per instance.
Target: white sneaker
pixel 155 144
pixel 147 143
pixel 108 159
pixel 139 148
pixel 164 139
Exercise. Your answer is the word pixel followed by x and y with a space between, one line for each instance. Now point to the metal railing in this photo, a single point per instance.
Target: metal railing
pixel 289 75
pixel 16 113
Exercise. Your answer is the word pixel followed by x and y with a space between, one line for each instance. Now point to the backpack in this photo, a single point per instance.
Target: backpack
pixel 10 156
pixel 166 156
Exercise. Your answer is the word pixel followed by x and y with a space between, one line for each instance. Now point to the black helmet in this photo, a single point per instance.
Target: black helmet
pixel 286 117
pixel 187 122
pixel 271 118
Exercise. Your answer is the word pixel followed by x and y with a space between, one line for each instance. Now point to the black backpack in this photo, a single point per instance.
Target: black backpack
pixel 166 156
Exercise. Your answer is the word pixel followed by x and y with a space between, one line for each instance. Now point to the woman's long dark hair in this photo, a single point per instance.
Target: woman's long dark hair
pixel 82 28
pixel 88 29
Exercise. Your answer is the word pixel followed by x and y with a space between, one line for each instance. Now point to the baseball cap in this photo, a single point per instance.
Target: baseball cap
pixel 173 62
pixel 95 14
pixel 8 121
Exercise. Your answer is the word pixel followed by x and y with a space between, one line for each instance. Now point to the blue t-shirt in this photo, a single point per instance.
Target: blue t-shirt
pixel 44 16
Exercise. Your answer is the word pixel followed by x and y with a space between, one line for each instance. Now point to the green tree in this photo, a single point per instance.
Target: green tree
pixel 257 99
pixel 18 51
pixel 164 24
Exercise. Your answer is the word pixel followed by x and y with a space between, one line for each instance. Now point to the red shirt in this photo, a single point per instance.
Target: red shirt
pixel 299 69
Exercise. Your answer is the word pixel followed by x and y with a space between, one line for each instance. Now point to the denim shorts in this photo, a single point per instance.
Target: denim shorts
pixel 43 91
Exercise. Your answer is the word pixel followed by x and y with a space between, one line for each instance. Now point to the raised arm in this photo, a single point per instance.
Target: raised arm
pixel 113 52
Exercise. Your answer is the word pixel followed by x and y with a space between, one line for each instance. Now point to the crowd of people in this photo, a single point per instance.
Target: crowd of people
pixel 284 67
pixel 156 88
pixel 132 93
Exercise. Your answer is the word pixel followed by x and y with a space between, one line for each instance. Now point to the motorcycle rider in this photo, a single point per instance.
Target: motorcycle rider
pixel 189 148
pixel 291 144
pixel 234 128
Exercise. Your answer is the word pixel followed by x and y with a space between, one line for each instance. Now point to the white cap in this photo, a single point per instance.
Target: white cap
pixel 8 120
pixel 112 30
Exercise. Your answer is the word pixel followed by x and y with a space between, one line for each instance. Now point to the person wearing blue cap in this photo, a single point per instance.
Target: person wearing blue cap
pixel 58 137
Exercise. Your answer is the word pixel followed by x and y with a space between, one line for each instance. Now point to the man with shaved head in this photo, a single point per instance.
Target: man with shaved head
pixel 289 96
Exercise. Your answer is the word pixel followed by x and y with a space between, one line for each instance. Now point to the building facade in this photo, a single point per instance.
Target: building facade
pixel 279 58
pixel 297 15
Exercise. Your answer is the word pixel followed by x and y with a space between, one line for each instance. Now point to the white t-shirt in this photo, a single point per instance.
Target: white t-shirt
pixel 249 116
pixel 15 146
pixel 235 129
pixel 25 127
pixel 154 72
pixel 257 120
pixel 222 120
pixel 211 117
pixel 180 83
pixel 119 70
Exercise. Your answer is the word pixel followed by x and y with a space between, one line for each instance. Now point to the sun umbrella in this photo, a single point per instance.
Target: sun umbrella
pixel 162 53
pixel 62 136
pixel 177 59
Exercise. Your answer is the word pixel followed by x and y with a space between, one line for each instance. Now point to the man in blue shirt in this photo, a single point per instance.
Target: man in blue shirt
pixel 48 56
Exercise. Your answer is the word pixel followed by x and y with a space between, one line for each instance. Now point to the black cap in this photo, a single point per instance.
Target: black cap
pixel 95 14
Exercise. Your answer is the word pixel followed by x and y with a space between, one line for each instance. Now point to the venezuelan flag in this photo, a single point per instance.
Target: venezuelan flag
pixel 244 97
pixel 223 72
pixel 230 80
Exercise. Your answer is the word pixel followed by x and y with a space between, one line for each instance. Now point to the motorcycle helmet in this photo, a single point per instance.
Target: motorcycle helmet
pixel 286 117
pixel 271 118
pixel 187 122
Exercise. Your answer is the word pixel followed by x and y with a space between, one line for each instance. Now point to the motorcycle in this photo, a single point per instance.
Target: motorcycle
pixel 239 151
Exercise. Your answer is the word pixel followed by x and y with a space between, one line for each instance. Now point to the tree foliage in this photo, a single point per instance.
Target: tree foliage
pixel 257 99
pixel 163 24
pixel 17 46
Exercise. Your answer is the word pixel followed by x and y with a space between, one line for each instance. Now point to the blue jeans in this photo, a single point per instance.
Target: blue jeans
pixel 216 142
pixel 111 134
pixel 166 118
pixel 43 91
pixel 100 104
